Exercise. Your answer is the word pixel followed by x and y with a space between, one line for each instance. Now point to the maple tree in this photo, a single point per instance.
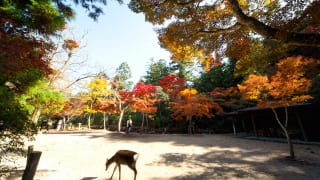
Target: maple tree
pixel 228 98
pixel 172 85
pixel 289 85
pixel 190 104
pixel 144 99
pixel 197 29
pixel 123 98
pixel 120 86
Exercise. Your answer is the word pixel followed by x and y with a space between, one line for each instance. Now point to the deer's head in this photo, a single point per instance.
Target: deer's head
pixel 107 164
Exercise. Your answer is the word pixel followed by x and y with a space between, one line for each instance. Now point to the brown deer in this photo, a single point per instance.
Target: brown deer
pixel 125 157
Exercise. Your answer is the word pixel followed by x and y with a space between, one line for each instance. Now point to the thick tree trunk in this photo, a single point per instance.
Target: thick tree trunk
pixel 301 39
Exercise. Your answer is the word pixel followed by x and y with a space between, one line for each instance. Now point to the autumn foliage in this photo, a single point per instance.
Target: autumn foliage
pixel 144 98
pixel 191 104
pixel 19 54
pixel 172 85
pixel 288 85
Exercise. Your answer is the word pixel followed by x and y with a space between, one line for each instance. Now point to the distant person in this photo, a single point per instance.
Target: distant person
pixel 129 125
pixel 59 126
pixel 44 125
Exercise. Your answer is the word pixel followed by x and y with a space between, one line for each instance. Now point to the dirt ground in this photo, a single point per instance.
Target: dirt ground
pixel 82 155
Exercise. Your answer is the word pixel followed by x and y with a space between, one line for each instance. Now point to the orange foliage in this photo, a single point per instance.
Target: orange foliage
pixel 189 105
pixel 254 87
pixel 290 82
pixel 288 85
pixel 228 98
pixel 71 44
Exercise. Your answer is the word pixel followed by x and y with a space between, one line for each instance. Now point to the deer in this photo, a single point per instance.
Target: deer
pixel 124 157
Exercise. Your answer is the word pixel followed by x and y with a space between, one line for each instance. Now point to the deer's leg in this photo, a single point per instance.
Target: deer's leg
pixel 115 167
pixel 133 167
pixel 119 172
pixel 135 174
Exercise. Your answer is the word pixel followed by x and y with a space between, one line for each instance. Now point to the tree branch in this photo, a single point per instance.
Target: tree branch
pixel 301 39
pixel 219 31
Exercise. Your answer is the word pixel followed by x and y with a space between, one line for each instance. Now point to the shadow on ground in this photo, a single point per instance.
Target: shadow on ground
pixel 233 165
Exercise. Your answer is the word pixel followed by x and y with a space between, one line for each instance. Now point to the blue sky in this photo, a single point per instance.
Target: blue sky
pixel 120 35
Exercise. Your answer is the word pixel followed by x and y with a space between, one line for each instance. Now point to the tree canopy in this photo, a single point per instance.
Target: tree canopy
pixel 197 29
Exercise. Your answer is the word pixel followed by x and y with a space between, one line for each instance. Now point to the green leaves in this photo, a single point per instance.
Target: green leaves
pixel 41 95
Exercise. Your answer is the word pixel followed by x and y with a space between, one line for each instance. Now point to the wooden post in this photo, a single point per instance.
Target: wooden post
pixel 30 150
pixel 32 164
pixel 304 134
pixel 234 127
pixel 254 125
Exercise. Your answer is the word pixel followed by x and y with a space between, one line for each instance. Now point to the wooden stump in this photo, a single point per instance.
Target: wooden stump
pixel 32 164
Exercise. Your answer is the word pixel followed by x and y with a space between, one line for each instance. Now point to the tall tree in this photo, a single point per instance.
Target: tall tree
pixel 144 99
pixel 25 30
pixel 121 86
pixel 156 70
pixel 23 62
pixel 197 29
pixel 218 76
pixel 122 76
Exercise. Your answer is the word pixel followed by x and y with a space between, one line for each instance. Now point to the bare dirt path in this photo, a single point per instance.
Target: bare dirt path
pixel 81 156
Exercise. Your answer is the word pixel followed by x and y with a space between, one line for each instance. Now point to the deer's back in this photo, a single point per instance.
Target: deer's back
pixel 126 156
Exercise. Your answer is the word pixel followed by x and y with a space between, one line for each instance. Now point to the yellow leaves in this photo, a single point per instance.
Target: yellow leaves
pixel 182 52
pixel 99 87
pixel 188 92
pixel 269 2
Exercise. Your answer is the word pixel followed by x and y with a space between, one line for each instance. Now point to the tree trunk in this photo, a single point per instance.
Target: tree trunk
pixel 105 120
pixel 284 129
pixel 89 121
pixel 36 115
pixel 147 121
pixel 295 38
pixel 120 120
pixel 142 122
pixel 64 123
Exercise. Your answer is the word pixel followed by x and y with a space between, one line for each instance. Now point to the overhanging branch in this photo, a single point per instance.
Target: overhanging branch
pixel 300 39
